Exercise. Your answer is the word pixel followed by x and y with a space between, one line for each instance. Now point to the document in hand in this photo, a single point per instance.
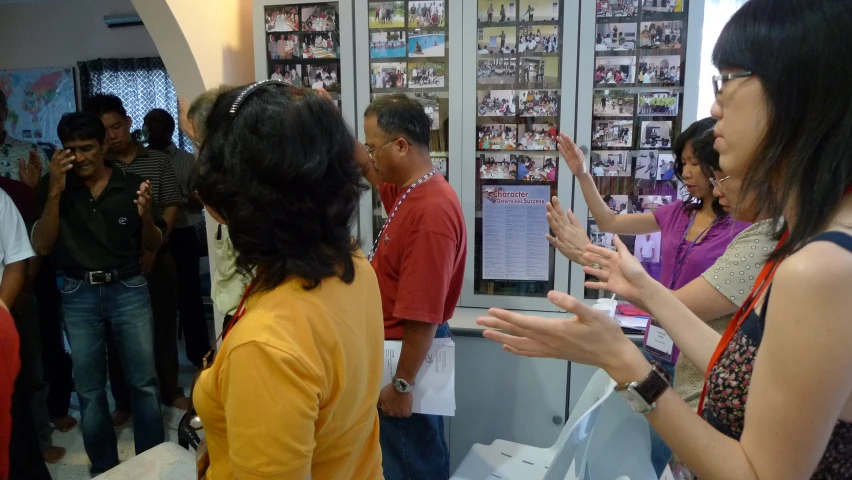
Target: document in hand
pixel 435 385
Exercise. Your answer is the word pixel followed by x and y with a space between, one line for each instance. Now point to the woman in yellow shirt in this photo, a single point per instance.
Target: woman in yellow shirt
pixel 292 392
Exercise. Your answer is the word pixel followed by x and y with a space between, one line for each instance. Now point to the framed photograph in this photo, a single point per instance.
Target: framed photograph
pixel 652 202
pixel 538 70
pixel 615 37
pixel 538 39
pixel 496 70
pixel 611 163
pixel 618 204
pixel 616 8
pixel 658 104
pixel 388 75
pixel 665 166
pixel 647 165
pixel 537 136
pixel 492 40
pixel 325 75
pixel 496 103
pixel 599 238
pixel 539 11
pixel 615 70
pixel 439 163
pixel 613 103
pixel 538 103
pixel 647 248
pixel 496 136
pixel 537 167
pixel 386 14
pixel 282 19
pixel 490 11
pixel 498 166
pixel 426 14
pixel 321 45
pixel 320 18
pixel 656 134
pixel 666 34
pixel 612 133
pixel 284 46
pixel 431 107
pixel 663 70
pixel 426 74
pixel 387 44
pixel 663 6
pixel 426 43
pixel 290 73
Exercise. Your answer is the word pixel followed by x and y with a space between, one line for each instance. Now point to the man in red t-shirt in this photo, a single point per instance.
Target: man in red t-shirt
pixel 419 260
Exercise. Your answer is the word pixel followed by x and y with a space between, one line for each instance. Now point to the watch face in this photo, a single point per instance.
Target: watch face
pixel 636 402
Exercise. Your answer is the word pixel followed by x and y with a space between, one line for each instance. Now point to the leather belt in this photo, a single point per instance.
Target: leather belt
pixel 103 277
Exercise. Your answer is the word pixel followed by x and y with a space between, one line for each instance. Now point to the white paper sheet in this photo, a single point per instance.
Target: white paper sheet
pixel 636 323
pixel 435 385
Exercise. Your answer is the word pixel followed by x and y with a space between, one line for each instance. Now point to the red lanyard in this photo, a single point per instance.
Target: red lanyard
pixel 241 309
pixel 761 284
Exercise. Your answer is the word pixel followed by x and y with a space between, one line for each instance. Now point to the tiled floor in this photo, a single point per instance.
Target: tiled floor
pixel 75 465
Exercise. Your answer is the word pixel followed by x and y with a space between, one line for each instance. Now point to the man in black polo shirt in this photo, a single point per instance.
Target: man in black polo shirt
pixel 158 266
pixel 96 218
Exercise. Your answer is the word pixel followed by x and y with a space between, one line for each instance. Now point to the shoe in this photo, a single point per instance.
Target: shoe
pixel 120 418
pixel 65 424
pixel 53 454
pixel 181 403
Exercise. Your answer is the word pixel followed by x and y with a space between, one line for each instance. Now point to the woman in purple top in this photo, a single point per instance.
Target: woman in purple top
pixel 694 232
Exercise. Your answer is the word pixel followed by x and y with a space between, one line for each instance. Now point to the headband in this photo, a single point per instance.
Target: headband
pixel 251 88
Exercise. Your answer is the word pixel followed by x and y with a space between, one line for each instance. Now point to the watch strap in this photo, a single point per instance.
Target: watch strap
pixel 653 385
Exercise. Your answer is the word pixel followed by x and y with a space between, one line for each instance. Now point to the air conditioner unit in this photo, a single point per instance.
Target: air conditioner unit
pixel 118 21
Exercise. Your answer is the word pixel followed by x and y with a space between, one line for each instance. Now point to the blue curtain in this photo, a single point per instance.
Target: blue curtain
pixel 142 84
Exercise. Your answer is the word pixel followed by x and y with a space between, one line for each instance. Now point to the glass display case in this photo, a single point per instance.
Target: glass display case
pixel 632 74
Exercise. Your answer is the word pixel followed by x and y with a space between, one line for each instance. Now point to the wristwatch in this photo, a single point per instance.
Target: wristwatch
pixel 401 385
pixel 642 396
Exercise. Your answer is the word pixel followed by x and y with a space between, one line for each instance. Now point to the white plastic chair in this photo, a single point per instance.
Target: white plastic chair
pixel 166 461
pixel 512 461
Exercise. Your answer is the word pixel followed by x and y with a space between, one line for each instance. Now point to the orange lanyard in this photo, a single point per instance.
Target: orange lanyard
pixel 241 309
pixel 762 283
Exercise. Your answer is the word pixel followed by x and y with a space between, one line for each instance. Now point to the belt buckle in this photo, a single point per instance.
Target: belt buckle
pixel 99 277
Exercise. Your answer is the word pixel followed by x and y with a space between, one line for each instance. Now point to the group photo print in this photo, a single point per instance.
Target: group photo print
pixel 490 11
pixel 282 19
pixel 496 103
pixel 663 6
pixel 496 70
pixel 388 75
pixel 320 45
pixel 426 75
pixel 319 18
pixel 616 8
pixel 656 134
pixel 493 40
pixel 538 103
pixel 662 104
pixel 426 14
pixel 537 168
pixel 386 14
pixel 612 133
pixel 613 103
pixel 326 75
pixel 284 46
pixel 610 163
pixel 652 202
pixel 387 44
pixel 538 39
pixel 496 136
pixel 290 73
pixel 539 70
pixel 615 37
pixel 665 35
pixel 617 204
pixel 426 43
pixel 498 166
pixel 664 70
pixel 615 70
pixel 537 136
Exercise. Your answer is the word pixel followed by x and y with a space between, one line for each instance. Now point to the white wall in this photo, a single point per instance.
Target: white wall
pixel 59 33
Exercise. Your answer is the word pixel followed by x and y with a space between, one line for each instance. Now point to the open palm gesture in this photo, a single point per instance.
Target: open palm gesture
pixel 620 271
pixel 572 154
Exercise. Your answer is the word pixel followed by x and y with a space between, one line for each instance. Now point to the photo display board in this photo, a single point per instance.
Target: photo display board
pixel 640 52
pixel 518 106
pixel 409 54
pixel 303 45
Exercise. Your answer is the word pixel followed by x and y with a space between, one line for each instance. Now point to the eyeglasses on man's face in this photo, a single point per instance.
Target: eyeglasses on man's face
pixel 718 183
pixel 720 80
pixel 371 150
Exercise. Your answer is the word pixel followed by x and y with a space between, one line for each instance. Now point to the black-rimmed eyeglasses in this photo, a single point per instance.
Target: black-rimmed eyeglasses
pixel 720 80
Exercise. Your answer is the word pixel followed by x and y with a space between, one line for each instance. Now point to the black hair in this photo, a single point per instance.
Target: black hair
pixel 281 172
pixel 161 116
pixel 700 136
pixel 401 115
pixel 4 105
pixel 805 153
pixel 80 126
pixel 103 103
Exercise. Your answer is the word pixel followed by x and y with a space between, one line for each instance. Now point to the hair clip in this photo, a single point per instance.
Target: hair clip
pixel 245 93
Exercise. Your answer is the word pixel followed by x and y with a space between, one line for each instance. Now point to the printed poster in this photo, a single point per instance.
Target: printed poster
pixel 514 246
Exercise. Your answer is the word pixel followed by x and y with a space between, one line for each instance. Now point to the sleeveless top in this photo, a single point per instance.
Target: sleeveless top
pixel 729 380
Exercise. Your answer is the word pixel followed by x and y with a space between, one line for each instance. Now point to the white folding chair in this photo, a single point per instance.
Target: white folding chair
pixel 512 461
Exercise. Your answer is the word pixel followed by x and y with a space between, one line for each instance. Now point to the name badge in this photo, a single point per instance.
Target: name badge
pixel 659 344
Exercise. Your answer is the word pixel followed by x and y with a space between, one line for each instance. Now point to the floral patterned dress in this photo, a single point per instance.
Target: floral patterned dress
pixel 730 378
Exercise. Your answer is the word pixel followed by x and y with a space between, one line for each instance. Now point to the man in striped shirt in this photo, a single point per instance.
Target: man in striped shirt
pixel 159 267
pixel 183 242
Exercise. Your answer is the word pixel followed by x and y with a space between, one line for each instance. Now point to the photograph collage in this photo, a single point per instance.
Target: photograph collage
pixel 636 113
pixel 303 46
pixel 408 44
pixel 518 57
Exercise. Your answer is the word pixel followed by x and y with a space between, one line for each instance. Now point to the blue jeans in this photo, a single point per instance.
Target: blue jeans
pixel 125 307
pixel 415 447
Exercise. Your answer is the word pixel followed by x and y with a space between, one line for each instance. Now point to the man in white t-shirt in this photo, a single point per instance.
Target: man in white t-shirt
pixel 15 249
pixel 647 252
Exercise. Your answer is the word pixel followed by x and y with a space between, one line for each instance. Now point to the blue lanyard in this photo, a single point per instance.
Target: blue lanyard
pixel 388 221
pixel 680 260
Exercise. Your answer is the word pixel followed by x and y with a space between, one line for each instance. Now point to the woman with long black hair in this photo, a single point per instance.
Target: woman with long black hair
pixel 778 391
